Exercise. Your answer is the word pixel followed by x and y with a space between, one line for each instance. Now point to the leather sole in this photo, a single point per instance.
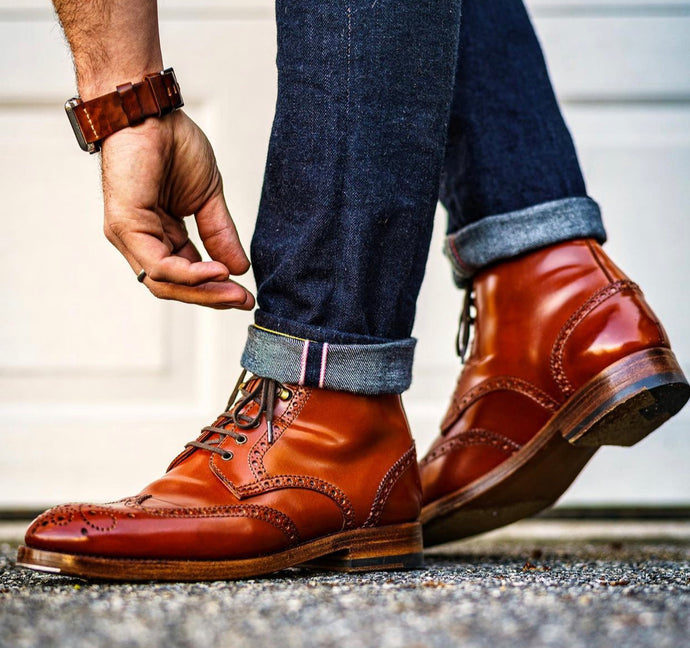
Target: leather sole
pixel 381 548
pixel 619 406
pixel 627 401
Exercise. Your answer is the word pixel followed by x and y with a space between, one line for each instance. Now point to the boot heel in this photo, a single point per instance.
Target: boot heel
pixel 390 547
pixel 628 400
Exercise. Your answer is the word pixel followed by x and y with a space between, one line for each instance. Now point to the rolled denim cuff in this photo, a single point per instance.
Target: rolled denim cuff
pixel 359 368
pixel 503 236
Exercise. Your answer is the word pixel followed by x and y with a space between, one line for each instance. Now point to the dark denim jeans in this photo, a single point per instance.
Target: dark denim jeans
pixel 383 106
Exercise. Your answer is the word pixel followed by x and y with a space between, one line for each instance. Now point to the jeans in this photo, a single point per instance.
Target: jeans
pixel 385 106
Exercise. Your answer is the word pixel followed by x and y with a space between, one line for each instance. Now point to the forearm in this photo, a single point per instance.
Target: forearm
pixel 112 41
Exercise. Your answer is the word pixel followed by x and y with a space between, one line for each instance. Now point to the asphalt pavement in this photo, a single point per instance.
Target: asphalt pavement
pixel 542 583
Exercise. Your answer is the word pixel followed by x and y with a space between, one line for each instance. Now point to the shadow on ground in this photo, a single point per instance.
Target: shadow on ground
pixel 478 593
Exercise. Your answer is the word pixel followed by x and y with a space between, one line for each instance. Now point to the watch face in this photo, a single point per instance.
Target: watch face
pixel 70 105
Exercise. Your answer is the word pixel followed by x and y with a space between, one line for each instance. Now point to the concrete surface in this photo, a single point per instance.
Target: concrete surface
pixel 536 583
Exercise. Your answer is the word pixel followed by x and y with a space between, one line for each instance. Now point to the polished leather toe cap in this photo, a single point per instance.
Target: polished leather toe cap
pixel 161 532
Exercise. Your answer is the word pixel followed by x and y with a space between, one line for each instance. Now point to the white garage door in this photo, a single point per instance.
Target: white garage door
pixel 100 384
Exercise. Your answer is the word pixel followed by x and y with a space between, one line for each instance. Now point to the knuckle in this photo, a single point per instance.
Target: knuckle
pixel 109 232
pixel 155 274
pixel 114 230
pixel 157 290
pixel 166 292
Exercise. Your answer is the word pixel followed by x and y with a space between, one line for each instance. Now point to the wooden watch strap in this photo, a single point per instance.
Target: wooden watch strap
pixel 132 103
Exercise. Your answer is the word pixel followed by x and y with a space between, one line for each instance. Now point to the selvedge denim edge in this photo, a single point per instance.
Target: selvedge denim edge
pixel 360 368
pixel 503 236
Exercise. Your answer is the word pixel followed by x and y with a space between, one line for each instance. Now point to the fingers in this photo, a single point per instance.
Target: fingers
pixel 153 176
pixel 219 235
pixel 219 295
pixel 188 251
pixel 183 276
pixel 155 256
pixel 177 269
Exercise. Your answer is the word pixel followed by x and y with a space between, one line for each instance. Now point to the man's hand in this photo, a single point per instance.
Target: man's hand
pixel 153 176
pixel 158 172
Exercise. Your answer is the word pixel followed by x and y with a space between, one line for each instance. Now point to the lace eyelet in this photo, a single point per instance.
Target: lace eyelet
pixel 226 456
pixel 241 439
pixel 285 394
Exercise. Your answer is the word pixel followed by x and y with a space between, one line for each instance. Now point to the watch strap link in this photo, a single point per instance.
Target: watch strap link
pixel 156 95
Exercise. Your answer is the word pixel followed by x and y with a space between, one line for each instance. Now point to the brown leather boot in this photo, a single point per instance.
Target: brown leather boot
pixel 567 356
pixel 286 476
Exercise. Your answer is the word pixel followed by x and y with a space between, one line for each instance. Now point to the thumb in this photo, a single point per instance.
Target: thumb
pixel 219 235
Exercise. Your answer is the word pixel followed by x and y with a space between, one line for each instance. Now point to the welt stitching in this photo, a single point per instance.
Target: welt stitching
pixel 556 359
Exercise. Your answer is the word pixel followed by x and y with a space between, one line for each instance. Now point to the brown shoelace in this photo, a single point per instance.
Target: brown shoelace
pixel 467 319
pixel 263 392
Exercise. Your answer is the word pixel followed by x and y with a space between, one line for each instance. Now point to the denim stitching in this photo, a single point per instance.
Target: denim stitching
pixel 348 11
pixel 456 254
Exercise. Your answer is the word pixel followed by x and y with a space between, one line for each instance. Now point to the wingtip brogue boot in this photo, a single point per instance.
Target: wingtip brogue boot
pixel 287 475
pixel 566 357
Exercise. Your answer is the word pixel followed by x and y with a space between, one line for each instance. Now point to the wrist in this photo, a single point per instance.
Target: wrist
pixel 93 83
pixel 129 104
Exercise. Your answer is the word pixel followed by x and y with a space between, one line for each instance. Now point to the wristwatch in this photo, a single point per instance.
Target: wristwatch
pixel 131 103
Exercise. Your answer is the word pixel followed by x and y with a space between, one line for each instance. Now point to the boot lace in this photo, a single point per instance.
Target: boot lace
pixel 264 392
pixel 467 320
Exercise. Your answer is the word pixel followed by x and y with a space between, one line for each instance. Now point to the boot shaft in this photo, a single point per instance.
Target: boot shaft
pixel 569 303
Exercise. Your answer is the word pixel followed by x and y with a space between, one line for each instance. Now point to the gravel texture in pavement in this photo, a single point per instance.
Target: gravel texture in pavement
pixel 481 593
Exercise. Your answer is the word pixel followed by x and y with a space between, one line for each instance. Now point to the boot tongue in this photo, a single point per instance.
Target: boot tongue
pixel 210 438
pixel 249 403
pixel 251 384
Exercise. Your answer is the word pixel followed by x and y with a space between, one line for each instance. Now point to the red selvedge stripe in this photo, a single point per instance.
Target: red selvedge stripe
pixel 456 255
pixel 303 363
pixel 324 359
